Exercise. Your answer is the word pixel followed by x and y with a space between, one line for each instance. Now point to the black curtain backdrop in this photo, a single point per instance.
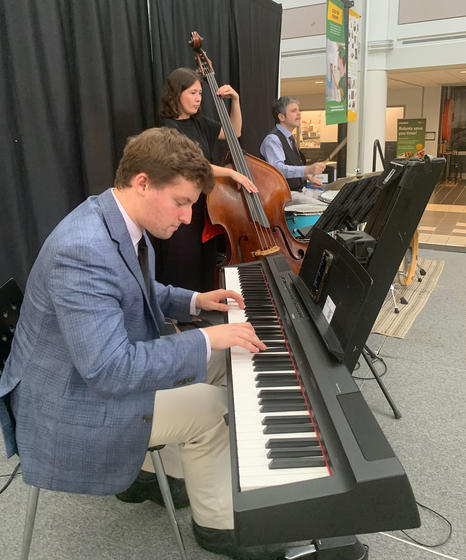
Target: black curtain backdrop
pixel 75 81
pixel 241 38
pixel 77 78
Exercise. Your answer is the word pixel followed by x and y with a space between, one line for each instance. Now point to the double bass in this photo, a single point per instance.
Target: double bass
pixel 254 223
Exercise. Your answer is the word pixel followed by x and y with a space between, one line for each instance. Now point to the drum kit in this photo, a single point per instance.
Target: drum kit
pixel 340 183
pixel 300 217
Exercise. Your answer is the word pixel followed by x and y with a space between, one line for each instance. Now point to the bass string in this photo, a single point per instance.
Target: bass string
pixel 252 199
pixel 256 209
pixel 234 146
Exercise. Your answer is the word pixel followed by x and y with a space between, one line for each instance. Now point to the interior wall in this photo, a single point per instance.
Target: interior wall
pixel 411 98
pixel 420 102
pixel 415 11
pixel 311 102
pixel 436 43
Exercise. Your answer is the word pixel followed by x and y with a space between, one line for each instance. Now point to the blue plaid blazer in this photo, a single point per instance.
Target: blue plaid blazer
pixel 87 356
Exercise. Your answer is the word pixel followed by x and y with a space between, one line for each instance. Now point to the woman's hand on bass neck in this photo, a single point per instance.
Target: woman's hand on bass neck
pixel 226 91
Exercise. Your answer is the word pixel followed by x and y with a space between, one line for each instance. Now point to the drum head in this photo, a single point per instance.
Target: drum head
pixel 304 209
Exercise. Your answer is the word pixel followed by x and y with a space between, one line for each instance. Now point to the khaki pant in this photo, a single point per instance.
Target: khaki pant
pixel 191 419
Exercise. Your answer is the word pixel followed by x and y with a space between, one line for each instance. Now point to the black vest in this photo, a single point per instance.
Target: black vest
pixel 291 158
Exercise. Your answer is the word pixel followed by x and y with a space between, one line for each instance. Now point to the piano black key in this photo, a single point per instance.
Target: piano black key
pixel 290 419
pixel 279 398
pixel 282 406
pixel 269 336
pixel 272 373
pixel 275 347
pixel 277 443
pixel 274 394
pixel 272 355
pixel 262 314
pixel 295 452
pixel 271 358
pixel 275 380
pixel 288 428
pixel 271 367
pixel 296 462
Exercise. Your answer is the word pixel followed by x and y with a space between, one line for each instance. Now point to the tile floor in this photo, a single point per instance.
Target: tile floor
pixel 444 219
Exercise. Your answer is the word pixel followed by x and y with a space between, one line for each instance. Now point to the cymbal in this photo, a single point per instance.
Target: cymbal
pixel 340 183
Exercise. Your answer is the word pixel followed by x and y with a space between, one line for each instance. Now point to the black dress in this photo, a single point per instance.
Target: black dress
pixel 183 260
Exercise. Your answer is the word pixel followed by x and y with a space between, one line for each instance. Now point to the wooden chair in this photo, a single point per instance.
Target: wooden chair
pixel 10 303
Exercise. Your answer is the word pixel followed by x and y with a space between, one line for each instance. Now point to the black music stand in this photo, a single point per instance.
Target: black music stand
pixel 391 203
pixel 346 282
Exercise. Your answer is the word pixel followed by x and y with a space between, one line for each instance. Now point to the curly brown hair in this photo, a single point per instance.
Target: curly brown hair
pixel 164 154
pixel 177 81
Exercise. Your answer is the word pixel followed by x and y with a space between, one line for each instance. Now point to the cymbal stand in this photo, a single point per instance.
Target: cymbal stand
pixel 369 355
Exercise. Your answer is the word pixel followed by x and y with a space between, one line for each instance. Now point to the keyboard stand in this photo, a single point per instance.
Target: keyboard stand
pixel 369 356
pixel 336 548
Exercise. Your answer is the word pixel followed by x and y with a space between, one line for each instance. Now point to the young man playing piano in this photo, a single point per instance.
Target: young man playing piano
pixel 89 381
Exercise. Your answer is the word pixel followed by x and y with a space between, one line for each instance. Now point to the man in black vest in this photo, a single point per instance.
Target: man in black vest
pixel 279 147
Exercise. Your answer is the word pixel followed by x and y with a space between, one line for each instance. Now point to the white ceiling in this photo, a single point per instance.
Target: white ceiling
pixel 397 79
pixel 426 77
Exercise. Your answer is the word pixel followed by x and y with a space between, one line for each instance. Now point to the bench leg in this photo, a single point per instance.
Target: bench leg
pixel 33 498
pixel 167 498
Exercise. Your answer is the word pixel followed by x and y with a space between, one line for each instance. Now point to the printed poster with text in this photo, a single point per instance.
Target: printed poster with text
pixel 354 56
pixel 410 139
pixel 337 82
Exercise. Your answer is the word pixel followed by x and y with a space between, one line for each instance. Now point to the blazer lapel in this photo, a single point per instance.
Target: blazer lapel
pixel 119 233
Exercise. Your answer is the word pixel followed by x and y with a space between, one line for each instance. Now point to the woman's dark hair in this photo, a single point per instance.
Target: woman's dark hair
pixel 176 82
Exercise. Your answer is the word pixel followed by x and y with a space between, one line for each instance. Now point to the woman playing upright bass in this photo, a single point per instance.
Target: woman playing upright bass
pixel 184 260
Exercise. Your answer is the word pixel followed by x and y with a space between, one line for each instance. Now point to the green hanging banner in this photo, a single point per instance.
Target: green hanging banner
pixel 337 80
